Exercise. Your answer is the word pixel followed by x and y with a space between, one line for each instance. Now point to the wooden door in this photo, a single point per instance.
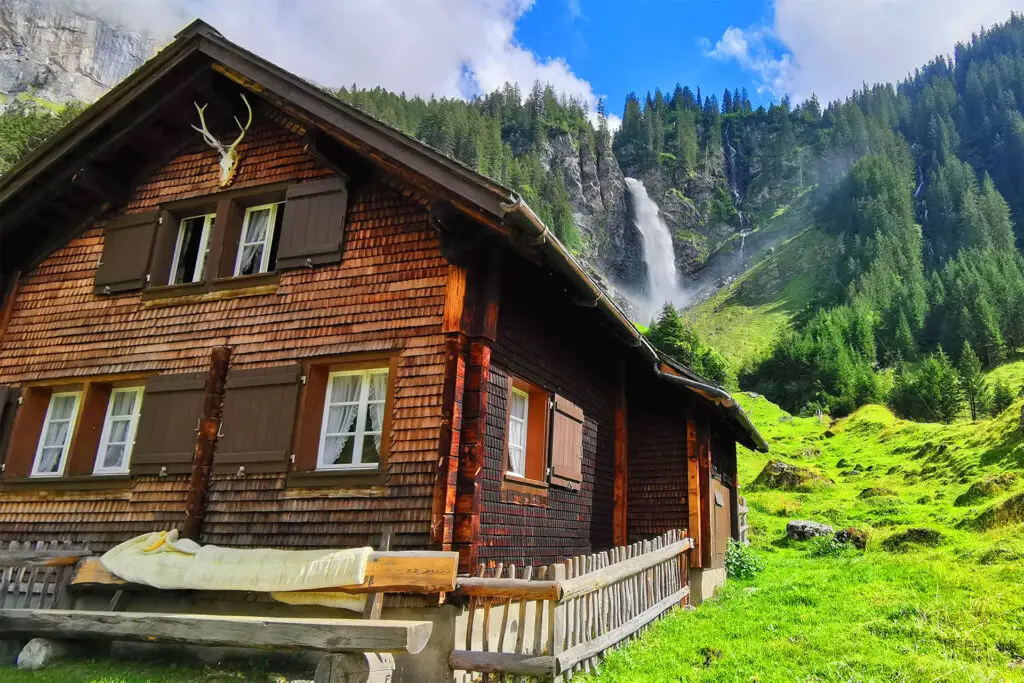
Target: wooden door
pixel 721 522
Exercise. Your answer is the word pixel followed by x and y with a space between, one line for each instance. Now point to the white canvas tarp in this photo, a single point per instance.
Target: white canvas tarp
pixel 162 560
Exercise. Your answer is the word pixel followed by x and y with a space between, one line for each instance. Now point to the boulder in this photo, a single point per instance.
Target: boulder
pixel 876 492
pixel 858 538
pixel 40 652
pixel 802 530
pixel 912 536
pixel 986 488
pixel 842 462
pixel 783 476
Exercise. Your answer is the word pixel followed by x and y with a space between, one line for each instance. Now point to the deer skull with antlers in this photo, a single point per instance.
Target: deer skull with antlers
pixel 228 154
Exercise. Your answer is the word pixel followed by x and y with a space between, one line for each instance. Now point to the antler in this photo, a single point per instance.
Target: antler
pixel 204 131
pixel 242 128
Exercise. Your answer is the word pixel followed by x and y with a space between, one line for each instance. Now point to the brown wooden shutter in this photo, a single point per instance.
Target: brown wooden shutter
pixel 166 437
pixel 311 415
pixel 566 443
pixel 163 249
pixel 8 406
pixel 85 442
pixel 27 425
pixel 314 224
pixel 127 242
pixel 259 418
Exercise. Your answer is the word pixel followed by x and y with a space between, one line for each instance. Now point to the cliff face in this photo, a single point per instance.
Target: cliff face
pixel 58 53
pixel 597 192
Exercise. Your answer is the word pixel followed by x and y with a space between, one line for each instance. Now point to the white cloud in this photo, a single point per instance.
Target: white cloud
pixel 444 48
pixel 831 47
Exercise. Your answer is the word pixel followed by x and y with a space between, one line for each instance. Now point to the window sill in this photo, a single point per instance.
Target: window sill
pixel 337 479
pixel 221 288
pixel 85 482
pixel 523 491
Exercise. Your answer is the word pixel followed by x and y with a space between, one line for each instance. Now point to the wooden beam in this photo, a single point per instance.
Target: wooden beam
pixel 267 633
pixel 620 523
pixel 693 490
pixel 407 571
pixel 707 503
pixel 516 589
pixel 50 557
pixel 602 578
pixel 503 663
pixel 206 443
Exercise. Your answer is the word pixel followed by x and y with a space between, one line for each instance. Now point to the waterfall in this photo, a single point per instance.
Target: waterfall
pixel 659 255
pixel 734 186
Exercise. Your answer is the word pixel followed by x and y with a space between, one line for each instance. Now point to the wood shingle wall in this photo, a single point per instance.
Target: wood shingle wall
pixel 539 341
pixel 386 295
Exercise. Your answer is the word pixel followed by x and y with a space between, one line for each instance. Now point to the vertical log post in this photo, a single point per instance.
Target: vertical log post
pixel 620 526
pixel 707 503
pixel 480 321
pixel 443 509
pixel 206 443
pixel 693 499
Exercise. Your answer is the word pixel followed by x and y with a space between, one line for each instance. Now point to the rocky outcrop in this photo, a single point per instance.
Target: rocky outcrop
pixel 597 192
pixel 913 536
pixel 1010 511
pixel 783 476
pixel 56 52
pixel 802 529
pixel 986 488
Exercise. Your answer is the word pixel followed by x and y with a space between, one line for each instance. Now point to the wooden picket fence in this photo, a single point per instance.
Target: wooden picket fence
pixel 744 526
pixel 36 575
pixel 559 620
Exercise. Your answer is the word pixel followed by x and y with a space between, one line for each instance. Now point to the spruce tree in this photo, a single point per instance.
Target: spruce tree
pixel 972 380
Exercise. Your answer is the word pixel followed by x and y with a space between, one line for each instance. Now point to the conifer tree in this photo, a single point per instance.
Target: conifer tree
pixel 972 380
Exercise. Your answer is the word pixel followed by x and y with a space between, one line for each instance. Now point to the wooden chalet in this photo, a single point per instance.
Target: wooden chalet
pixel 319 330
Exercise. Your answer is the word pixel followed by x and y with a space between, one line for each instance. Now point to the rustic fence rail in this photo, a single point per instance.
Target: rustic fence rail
pixel 744 526
pixel 36 575
pixel 561 619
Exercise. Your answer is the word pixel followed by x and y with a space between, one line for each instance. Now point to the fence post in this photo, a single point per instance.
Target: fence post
pixel 556 617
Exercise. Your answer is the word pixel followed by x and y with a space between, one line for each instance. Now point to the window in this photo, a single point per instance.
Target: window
pixel 55 438
pixel 257 246
pixel 529 414
pixel 353 420
pixel 119 429
pixel 518 414
pixel 191 249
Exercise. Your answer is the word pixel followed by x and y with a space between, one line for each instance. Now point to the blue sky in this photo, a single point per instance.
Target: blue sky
pixel 643 44
pixel 586 48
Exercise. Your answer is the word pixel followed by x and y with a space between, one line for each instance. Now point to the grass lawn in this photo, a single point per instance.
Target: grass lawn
pixel 114 671
pixel 952 612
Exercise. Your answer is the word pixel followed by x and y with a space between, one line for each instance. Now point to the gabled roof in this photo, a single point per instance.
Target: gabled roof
pixel 72 172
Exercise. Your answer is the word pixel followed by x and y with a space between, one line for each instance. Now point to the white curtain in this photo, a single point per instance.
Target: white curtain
pixel 341 419
pixel 517 435
pixel 375 410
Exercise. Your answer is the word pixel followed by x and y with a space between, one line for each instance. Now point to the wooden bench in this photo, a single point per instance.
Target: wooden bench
pixel 274 633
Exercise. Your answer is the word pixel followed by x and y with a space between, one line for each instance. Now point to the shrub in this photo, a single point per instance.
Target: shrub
pixel 741 562
pixel 825 546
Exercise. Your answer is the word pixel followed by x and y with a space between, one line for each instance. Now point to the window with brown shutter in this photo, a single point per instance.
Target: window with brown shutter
pixel 314 223
pixel 127 242
pixel 526 440
pixel 567 443
pixel 258 419
pixel 166 436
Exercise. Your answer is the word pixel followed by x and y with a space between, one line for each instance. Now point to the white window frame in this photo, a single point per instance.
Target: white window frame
pixel 360 432
pixel 267 241
pixel 204 244
pixel 133 424
pixel 62 463
pixel 526 425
